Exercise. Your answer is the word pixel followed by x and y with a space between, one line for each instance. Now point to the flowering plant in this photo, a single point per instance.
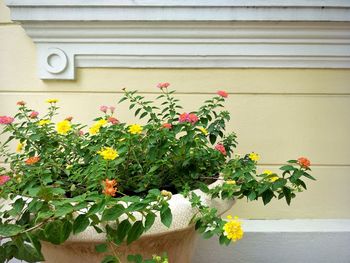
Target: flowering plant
pixel 61 178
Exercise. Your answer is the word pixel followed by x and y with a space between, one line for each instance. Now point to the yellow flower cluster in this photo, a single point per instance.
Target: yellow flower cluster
pixel 52 100
pixel 63 127
pixel 135 129
pixel 19 147
pixel 43 122
pixel 273 178
pixel 230 182
pixel 94 129
pixel 233 229
pixel 108 153
pixel 203 130
pixel 267 172
pixel 254 157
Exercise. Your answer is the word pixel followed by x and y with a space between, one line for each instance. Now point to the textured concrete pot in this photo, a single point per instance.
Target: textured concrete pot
pixel 178 240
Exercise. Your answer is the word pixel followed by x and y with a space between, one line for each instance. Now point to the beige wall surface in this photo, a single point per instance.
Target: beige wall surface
pixel 279 113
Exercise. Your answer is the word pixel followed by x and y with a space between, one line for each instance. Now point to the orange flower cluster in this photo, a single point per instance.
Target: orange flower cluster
pixel 110 187
pixel 32 160
pixel 304 162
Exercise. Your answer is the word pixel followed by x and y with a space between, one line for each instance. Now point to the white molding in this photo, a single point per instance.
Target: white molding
pixel 191 33
pixel 288 241
pixel 180 10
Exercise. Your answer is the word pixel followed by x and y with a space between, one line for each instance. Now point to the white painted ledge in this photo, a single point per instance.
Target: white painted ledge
pixel 185 33
pixel 287 241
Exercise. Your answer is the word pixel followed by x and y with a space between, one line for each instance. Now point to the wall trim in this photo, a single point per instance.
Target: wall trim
pixel 288 241
pixel 185 34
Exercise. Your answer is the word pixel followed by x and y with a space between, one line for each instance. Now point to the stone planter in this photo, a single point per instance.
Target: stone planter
pixel 178 240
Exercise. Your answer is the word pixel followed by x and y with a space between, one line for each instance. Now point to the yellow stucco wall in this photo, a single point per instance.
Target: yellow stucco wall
pixel 279 113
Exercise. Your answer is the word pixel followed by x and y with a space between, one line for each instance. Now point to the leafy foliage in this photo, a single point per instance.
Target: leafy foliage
pixel 118 178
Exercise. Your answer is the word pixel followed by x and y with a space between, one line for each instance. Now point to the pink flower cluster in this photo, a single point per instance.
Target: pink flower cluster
pixel 222 93
pixel 163 85
pixel 167 126
pixel 21 103
pixel 221 148
pixel 113 120
pixel 104 109
pixel 6 120
pixel 33 114
pixel 4 179
pixel 188 117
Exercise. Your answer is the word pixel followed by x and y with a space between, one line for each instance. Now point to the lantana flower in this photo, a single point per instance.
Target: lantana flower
pixel 167 126
pixel 63 127
pixel 135 129
pixel 103 108
pixel 233 229
pixel 6 120
pixel 21 103
pixel 304 162
pixel 108 153
pixel 4 179
pixel 113 120
pixel 94 129
pixel 19 147
pixel 110 187
pixel 254 157
pixel 221 148
pixel 43 122
pixel 163 85
pixel 33 114
pixel 222 93
pixel 32 160
pixel 188 117
pixel 51 100
pixel 203 130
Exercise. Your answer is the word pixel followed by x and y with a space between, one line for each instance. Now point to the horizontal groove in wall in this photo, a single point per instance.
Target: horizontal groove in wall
pixel 8 24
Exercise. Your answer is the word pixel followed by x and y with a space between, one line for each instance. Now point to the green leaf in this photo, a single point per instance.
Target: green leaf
pixel 287 168
pixel 135 232
pixel 137 111
pixel 100 248
pixel 7 230
pixel 110 259
pixel 267 196
pixel 279 183
pixel 300 182
pixel 309 176
pixel 66 230
pixel 113 213
pixel 122 230
pixel 165 216
pixel 288 194
pixel 95 208
pixel 122 99
pixel 18 205
pixel 57 231
pixel 212 138
pixel 252 196
pixel 208 234
pixel 28 253
pixel 135 258
pixel 150 217
pixel 64 210
pixel 80 224
pixel 2 255
pixel 143 114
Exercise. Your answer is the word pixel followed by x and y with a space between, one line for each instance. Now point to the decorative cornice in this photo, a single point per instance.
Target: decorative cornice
pixel 185 33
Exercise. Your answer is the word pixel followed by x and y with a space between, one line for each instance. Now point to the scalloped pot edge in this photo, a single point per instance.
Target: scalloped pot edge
pixel 181 209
